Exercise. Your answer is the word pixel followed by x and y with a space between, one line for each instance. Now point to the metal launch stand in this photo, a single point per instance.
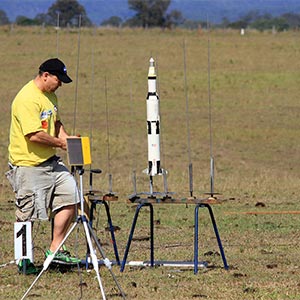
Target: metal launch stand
pixel 94 198
pixel 73 152
pixel 167 199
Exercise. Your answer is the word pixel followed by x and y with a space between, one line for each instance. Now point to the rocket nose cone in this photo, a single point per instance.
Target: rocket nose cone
pixel 151 68
pixel 151 61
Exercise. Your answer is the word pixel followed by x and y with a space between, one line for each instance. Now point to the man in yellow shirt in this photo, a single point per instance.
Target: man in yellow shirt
pixel 40 180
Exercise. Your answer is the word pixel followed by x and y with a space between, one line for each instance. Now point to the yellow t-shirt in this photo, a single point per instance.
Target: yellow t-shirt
pixel 32 110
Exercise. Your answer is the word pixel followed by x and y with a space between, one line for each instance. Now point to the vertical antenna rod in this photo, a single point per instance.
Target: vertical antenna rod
pixel 187 121
pixel 77 70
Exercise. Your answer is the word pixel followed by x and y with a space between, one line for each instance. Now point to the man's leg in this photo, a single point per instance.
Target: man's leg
pixel 62 221
pixel 64 205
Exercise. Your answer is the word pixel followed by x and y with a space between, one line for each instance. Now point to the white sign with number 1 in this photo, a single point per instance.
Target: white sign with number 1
pixel 23 240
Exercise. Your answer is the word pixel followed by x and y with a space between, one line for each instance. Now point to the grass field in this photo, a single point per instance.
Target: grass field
pixel 255 82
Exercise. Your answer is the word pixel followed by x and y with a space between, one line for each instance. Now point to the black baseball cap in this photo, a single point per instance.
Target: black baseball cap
pixel 56 67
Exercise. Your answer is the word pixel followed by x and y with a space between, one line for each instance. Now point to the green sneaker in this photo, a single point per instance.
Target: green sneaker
pixel 63 257
pixel 25 266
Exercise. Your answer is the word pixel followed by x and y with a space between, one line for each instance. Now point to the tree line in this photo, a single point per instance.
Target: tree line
pixel 151 13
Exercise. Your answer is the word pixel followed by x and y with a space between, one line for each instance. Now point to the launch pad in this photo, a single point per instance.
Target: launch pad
pixel 94 198
pixel 199 203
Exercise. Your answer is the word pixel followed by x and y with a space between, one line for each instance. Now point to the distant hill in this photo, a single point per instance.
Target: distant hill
pixel 215 10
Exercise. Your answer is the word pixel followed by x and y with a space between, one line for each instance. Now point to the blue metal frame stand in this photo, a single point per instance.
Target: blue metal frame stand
pixel 111 227
pixel 196 235
pixel 132 232
pixel 201 205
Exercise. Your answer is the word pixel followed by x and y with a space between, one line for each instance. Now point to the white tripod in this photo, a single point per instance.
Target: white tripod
pixel 90 235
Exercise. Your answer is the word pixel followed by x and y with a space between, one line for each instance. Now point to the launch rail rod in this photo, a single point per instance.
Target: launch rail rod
pixel 92 95
pixel 132 141
pixel 57 35
pixel 164 171
pixel 77 71
pixel 210 112
pixel 107 137
pixel 187 121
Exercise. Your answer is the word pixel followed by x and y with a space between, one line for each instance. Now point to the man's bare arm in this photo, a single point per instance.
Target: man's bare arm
pixel 60 131
pixel 46 139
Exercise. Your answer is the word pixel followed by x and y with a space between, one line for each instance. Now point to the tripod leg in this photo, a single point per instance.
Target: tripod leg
pixel 93 257
pixel 49 259
pixel 106 260
pixel 36 279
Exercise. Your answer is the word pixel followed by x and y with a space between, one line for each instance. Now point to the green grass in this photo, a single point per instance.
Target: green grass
pixel 255 83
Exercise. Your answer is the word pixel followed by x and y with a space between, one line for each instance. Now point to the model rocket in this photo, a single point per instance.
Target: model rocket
pixel 153 124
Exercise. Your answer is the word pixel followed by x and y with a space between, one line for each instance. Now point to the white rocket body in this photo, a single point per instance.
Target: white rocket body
pixel 153 123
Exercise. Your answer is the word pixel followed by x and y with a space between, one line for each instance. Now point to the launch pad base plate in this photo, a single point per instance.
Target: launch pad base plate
pixel 170 200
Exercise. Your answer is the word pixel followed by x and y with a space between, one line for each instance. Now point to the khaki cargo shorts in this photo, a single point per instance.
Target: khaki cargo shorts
pixel 42 189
